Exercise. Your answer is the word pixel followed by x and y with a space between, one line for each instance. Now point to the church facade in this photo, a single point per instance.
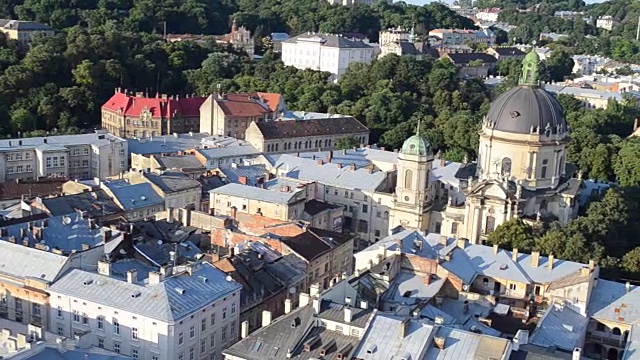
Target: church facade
pixel 521 170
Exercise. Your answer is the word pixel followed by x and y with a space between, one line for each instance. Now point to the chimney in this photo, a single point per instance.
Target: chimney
pixel 106 234
pixel 439 342
pixel 132 276
pixel 364 304
pixel 592 265
pixel 316 305
pixel 443 162
pixel 242 180
pixel 348 316
pixel 577 352
pixel 244 329
pixel 352 167
pixel 627 286
pixel 550 261
pixel 404 327
pixel 339 166
pixel 320 162
pixel 154 277
pixel 514 255
pixel 462 243
pixel 303 299
pixel 495 249
pixel 535 258
pixel 104 268
pixel 266 318
pixel 288 305
pixel 427 279
pixel 443 240
pixel 330 155
pixel 314 290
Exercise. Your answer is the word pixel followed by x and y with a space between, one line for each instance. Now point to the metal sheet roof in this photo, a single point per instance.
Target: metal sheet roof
pixel 256 193
pixel 384 334
pixel 161 301
pixel 25 262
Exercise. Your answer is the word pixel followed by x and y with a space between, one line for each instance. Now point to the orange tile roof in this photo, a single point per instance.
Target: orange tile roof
pixel 260 225
pixel 271 99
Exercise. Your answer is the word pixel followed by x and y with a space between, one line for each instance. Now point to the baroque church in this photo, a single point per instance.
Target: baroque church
pixel 520 172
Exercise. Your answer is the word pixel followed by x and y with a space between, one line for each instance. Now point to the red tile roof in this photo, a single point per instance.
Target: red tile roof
pixel 10 190
pixel 242 105
pixel 159 107
pixel 272 100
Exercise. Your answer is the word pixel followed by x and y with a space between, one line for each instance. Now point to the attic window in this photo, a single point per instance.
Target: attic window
pixel 514 114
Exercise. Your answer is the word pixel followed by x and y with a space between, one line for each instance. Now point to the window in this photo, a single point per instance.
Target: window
pixel 55 161
pixel 85 319
pixel 537 290
pixel 224 313
pixel 203 346
pixel 75 152
pixel 29 168
pixel 19 168
pixel 121 152
pixel 506 166
pixel 543 171
pixel 116 347
pixel 490 224
pixel 100 320
pixel 363 226
pixel 192 354
pixel 180 338
pixel 212 340
pixel 512 286
pixel 85 163
pixel 60 312
pixel 408 179
pixel 203 324
pixel 134 353
pixel 116 326
pixel 233 328
pixel 122 165
pixel 60 329
pixel 600 327
pixel 18 156
pixel 376 233
pixel 85 151
pixel 100 342
pixel 134 333
pixel 61 160
pixel 9 169
pixel 454 228
pixel 224 333
pixel 233 308
pixel 438 227
pixel 155 357
pixel 76 316
pixel 48 162
pixel 192 332
pixel 365 208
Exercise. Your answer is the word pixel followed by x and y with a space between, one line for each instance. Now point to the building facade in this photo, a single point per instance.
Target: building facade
pixel 24 31
pixel 231 114
pixel 240 38
pixel 325 52
pixel 139 116
pixel 64 156
pixel 190 313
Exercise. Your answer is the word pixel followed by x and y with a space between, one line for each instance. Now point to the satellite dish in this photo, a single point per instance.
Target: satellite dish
pixel 292 290
pixel 123 252
pixel 143 198
pixel 159 242
pixel 229 278
pixel 66 220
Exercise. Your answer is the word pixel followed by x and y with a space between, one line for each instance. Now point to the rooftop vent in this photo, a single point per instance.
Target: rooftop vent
pixel 503 266
pixel 180 290
pixel 371 348
pixel 137 294
pixel 88 282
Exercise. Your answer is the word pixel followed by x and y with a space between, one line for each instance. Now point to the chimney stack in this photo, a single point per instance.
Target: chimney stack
pixel 154 277
pixel 266 318
pixel 104 268
pixel 320 162
pixel 244 329
pixel 495 249
pixel 330 155
pixel 550 261
pixel 439 342
pixel 352 167
pixel 462 243
pixel 404 327
pixel 535 258
pixel 303 299
pixel 288 306
pixel 347 314
pixel 314 290
pixel 514 255
pixel 577 352
pixel 132 276
pixel 316 305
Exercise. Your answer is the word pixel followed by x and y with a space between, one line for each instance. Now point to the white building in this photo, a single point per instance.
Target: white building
pixel 606 22
pixel 192 313
pixel 84 156
pixel 325 52
pixel 489 15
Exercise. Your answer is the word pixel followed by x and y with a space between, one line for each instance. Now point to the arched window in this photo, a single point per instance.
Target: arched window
pixel 506 166
pixel 616 331
pixel 408 179
pixel 385 215
pixel 490 225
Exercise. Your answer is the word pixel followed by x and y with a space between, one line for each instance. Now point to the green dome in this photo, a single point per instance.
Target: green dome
pixel 416 145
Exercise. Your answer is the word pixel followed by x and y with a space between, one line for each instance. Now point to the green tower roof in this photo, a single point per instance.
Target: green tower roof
pixel 530 65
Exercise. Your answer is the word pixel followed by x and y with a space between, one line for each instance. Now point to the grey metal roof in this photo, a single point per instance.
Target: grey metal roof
pixel 251 172
pixel 256 193
pixel 524 108
pixel 384 334
pixel 409 288
pixel 328 40
pixel 611 301
pixel 24 25
pixel 165 144
pixel 229 151
pixel 328 174
pixel 66 233
pixel 170 182
pixel 460 344
pixel 335 312
pixel 26 262
pixel 179 162
pixel 164 301
pixel 159 255
pixel 98 138
pixel 560 327
pixel 133 196
pixel 95 204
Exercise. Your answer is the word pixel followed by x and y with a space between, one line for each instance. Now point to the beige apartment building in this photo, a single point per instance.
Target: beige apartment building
pixel 24 31
pixel 285 203
pixel 305 135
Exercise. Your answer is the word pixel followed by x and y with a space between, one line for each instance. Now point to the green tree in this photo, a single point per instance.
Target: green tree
pixel 346 143
pixel 627 163
pixel 513 234
pixel 631 261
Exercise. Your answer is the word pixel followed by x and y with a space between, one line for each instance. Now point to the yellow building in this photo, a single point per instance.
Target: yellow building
pixel 24 31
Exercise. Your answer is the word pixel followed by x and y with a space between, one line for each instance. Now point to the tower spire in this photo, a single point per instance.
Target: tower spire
pixel 412 34
pixel 530 65
pixel 418 128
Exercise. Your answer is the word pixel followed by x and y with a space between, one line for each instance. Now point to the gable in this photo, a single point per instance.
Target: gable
pixel 492 190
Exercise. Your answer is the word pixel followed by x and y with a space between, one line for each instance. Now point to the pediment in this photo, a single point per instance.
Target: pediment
pixel 491 189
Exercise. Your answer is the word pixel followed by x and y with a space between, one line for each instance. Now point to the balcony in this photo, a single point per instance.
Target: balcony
pixel 606 339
